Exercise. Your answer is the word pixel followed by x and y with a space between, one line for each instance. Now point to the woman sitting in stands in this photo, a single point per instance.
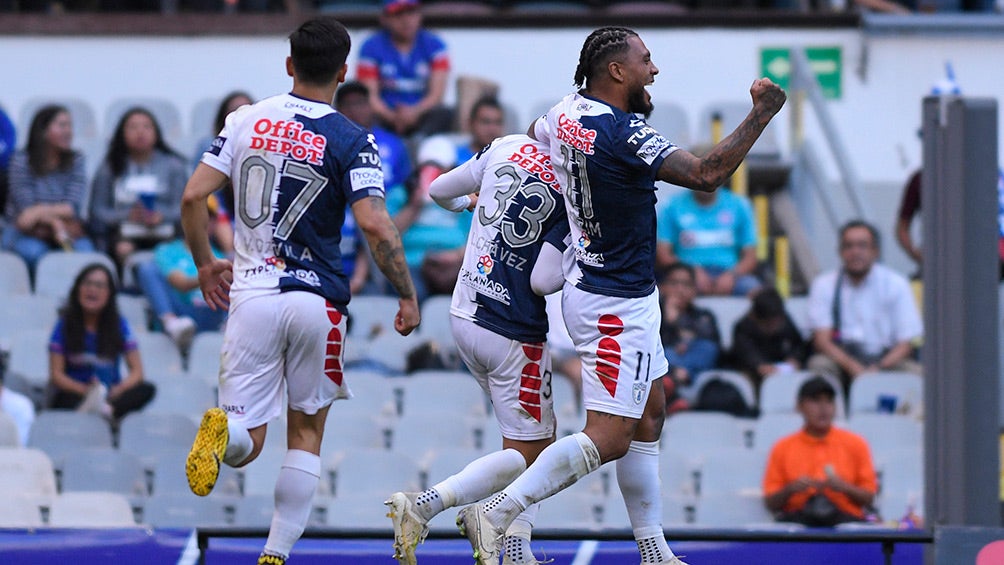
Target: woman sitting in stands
pixel 86 346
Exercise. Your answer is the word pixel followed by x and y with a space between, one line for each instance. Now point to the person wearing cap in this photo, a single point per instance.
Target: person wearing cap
pixel 405 68
pixel 821 475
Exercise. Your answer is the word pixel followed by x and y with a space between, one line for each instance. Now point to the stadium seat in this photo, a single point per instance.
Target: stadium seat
pixel 59 432
pixel 432 391
pixel 573 508
pixel 164 111
pixel 44 312
pixel 254 511
pixel 260 474
pixel 343 430
pixel 167 467
pixel 730 510
pixel 700 432
pixel 779 392
pixel 798 309
pixel 179 510
pixel 388 350
pixel 104 469
pixel 26 471
pixel 887 432
pixel 906 391
pixel 772 426
pixel 418 434
pixel 371 315
pixel 28 366
pixel 159 354
pixel 136 311
pixel 372 393
pixel 9 434
pixel 204 356
pixel 56 271
pixel 436 321
pixel 364 511
pixel 182 395
pixel 735 378
pixel 85 124
pixel 14 278
pixel 444 462
pixel 19 511
pixel 733 471
pixel 140 432
pixel 91 510
pixel 374 471
pixel 900 470
pixel 678 470
pixel 727 311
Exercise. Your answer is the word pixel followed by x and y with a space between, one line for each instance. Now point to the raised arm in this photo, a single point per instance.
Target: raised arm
pixel 707 173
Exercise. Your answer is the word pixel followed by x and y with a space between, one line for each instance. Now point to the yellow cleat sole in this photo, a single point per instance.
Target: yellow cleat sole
pixel 202 467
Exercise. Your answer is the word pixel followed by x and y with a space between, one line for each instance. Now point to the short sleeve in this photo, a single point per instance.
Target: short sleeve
pixel 369 62
pixel 221 152
pixel 773 476
pixel 57 342
pixel 128 339
pixel 364 176
pixel 641 146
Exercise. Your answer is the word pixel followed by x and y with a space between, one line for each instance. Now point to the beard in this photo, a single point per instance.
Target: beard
pixel 639 102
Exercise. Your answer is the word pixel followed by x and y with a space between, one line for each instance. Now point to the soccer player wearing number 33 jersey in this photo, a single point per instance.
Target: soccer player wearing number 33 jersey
pixel 607 159
pixel 294 165
pixel 499 322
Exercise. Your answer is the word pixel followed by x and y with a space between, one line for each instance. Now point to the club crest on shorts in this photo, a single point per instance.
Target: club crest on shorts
pixel 639 392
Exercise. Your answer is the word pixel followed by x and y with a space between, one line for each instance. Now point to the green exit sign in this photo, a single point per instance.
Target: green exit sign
pixel 825 62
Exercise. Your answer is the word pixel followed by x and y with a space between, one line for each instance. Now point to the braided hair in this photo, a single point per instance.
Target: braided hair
pixel 598 48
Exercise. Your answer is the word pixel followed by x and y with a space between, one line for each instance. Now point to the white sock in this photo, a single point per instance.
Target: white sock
pixel 480 478
pixel 239 446
pixel 294 491
pixel 517 550
pixel 638 479
pixel 522 526
pixel 558 467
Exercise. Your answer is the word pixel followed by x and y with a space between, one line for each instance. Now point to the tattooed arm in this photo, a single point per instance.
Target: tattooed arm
pixel 707 173
pixel 388 253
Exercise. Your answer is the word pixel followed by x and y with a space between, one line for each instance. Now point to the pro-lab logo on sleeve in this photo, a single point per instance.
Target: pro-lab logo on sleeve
pixel 217 147
pixel 365 178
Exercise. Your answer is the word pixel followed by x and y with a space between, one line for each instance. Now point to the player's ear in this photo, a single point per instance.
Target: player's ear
pixel 615 70
pixel 289 66
pixel 342 73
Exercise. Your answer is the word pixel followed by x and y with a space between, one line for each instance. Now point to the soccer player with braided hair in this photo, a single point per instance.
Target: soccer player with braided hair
pixel 607 159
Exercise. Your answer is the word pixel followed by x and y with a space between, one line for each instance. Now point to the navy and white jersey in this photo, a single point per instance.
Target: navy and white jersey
pixel 294 165
pixel 607 161
pixel 519 208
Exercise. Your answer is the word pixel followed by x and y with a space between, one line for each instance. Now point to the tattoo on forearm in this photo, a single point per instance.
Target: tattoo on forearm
pixel 389 256
pixel 727 155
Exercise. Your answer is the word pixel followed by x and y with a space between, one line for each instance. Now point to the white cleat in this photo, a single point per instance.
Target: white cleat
pixel 410 528
pixel 486 539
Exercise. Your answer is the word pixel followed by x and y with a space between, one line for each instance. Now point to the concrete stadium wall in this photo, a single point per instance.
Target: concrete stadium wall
pixel 884 78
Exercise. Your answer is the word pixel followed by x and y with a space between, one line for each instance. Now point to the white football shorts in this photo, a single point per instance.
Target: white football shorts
pixel 618 341
pixel 293 341
pixel 516 375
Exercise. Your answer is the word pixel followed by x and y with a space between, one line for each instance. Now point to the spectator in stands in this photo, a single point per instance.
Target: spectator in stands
pixel 20 409
pixel 689 333
pixel 820 476
pixel 713 232
pixel 405 67
pixel 909 208
pixel 136 193
pixel 352 99
pixel 766 340
pixel 85 349
pixel 863 315
pixel 8 139
pixel 170 283
pixel 487 122
pixel 47 189
pixel 230 102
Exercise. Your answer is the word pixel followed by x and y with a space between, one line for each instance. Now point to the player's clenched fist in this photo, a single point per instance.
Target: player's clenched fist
pixel 767 95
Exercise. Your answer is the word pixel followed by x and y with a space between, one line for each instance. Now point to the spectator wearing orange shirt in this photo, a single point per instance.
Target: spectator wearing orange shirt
pixel 820 476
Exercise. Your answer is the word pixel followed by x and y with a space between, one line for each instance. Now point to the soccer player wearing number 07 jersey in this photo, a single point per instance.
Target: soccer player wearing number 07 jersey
pixel 294 165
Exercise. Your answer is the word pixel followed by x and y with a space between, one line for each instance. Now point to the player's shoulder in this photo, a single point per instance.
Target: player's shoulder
pixel 430 40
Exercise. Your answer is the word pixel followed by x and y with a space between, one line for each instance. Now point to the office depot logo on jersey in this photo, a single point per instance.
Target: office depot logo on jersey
pixel 287 137
pixel 537 163
pixel 572 132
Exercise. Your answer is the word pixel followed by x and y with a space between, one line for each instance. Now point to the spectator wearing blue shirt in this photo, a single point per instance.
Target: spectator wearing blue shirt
pixel 714 233
pixel 86 346
pixel 8 139
pixel 405 68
